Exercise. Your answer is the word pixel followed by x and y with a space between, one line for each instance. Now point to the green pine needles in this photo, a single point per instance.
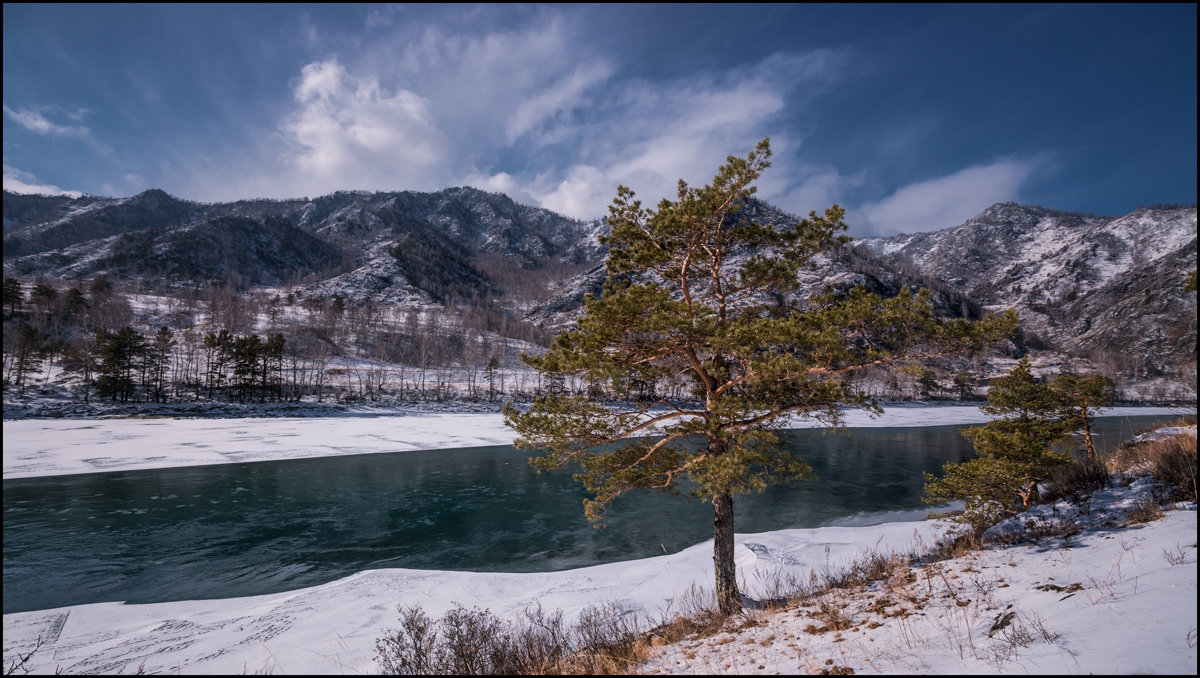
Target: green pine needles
pixel 1023 446
pixel 703 298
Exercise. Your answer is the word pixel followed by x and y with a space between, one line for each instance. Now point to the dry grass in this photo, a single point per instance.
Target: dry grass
pixel 1171 461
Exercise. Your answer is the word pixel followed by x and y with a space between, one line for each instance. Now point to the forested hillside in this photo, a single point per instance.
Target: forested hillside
pixel 431 297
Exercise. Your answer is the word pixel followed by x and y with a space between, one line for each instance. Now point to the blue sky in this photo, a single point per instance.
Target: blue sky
pixel 913 117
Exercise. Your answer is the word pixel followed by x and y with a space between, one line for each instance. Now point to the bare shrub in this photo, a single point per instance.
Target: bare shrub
pixel 607 641
pixel 1174 461
pixel 1145 510
pixel 1176 556
pixel 539 642
pixel 1042 528
pixel 1077 482
pixel 956 545
pixel 1171 460
pixel 776 586
pixel 870 567
pixel 410 651
pixel 1014 631
pixel 476 642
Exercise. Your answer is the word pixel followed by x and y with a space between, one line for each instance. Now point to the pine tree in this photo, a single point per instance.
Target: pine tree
pixel 1081 397
pixel 28 354
pixel 80 357
pixel 927 382
pixel 119 357
pixel 1015 452
pixel 271 355
pixel 962 383
pixel 218 352
pixel 14 297
pixel 75 305
pixel 246 352
pixel 700 295
pixel 489 372
pixel 158 359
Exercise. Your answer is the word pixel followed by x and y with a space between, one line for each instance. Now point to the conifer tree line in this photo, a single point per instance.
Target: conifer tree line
pixel 312 348
pixel 216 344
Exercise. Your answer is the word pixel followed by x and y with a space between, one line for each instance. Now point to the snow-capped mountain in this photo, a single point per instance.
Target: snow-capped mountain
pixel 1106 291
pixel 459 243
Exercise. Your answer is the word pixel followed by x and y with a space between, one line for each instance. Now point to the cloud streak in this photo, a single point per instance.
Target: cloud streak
pixel 17 181
pixel 561 97
pixel 657 132
pixel 525 111
pixel 946 201
pixel 34 120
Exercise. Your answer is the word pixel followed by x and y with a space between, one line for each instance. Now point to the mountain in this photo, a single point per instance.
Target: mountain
pixel 459 243
pixel 1093 292
pixel 1108 289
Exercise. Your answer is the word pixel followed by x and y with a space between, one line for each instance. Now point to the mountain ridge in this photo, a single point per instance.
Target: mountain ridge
pixel 1088 288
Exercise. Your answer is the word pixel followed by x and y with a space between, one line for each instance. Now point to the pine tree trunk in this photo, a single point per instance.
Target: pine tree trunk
pixel 729 599
pixel 1087 439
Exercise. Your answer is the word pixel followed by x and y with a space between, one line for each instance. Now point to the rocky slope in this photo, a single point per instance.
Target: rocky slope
pixel 1107 289
pixel 1101 292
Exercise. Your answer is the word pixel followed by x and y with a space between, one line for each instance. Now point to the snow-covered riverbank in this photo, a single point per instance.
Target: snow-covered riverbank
pixel 42 447
pixel 1135 610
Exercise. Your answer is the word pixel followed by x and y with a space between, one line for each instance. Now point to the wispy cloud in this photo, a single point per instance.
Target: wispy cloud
pixel 35 120
pixel 946 201
pixel 17 181
pixel 528 111
pixel 560 97
pixel 660 132
pixel 819 189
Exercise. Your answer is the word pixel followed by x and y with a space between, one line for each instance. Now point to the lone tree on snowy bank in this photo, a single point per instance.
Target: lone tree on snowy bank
pixel 1020 449
pixel 701 294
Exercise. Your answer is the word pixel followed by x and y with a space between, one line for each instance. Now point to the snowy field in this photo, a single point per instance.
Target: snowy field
pixel 46 447
pixel 1133 611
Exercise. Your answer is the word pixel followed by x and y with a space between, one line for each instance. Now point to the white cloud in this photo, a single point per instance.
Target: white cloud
pixel 35 121
pixel 351 133
pixel 661 132
pixel 490 88
pixel 817 192
pixel 684 129
pixel 563 125
pixel 130 184
pixel 945 201
pixel 530 111
pixel 583 194
pixel 563 95
pixel 501 182
pixel 16 181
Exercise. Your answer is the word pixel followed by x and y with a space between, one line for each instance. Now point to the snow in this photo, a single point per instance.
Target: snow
pixel 45 447
pixel 1109 600
pixel 1047 253
pixel 49 447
